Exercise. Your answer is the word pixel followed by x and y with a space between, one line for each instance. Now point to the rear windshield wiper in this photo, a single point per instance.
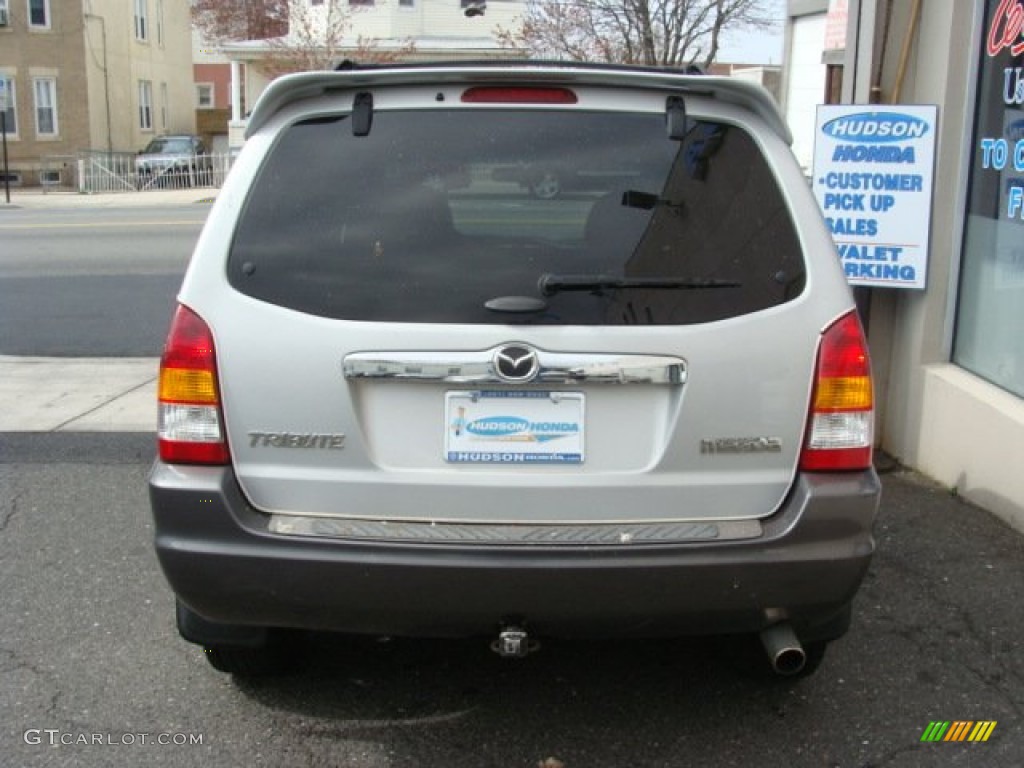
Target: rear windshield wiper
pixel 550 284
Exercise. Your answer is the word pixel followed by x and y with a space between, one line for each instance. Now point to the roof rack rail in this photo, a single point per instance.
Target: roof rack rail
pixel 347 65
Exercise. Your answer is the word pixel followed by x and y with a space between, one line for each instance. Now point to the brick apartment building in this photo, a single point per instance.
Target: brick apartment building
pixel 101 75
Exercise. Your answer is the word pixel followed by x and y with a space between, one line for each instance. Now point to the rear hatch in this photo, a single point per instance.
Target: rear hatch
pixel 469 303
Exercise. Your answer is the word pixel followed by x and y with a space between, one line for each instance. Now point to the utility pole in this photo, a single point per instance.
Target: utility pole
pixel 106 80
pixel 4 96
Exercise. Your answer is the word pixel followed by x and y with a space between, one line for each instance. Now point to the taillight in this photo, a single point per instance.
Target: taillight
pixel 499 94
pixel 189 425
pixel 840 434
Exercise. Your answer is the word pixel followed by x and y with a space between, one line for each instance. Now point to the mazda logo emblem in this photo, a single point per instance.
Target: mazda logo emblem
pixel 517 364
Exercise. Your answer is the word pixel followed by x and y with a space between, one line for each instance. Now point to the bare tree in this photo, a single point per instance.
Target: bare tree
pixel 669 33
pixel 220 20
pixel 299 36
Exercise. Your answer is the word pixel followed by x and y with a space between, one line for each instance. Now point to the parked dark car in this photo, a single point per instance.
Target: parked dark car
pixel 177 160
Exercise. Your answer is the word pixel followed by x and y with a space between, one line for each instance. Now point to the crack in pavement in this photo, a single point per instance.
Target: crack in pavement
pixel 14 662
pixel 9 514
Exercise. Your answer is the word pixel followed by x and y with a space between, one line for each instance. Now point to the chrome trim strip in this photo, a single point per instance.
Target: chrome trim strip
pixel 478 368
pixel 523 535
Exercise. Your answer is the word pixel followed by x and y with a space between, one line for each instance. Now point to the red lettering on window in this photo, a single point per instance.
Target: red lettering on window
pixel 1007 27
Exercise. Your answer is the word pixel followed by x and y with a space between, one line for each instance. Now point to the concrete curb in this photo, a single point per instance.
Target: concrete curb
pixel 35 198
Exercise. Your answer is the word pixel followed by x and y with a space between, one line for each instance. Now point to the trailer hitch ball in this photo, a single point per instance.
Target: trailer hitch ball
pixel 514 643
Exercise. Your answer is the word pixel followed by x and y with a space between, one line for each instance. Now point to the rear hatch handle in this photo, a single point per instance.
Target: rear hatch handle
pixel 481 367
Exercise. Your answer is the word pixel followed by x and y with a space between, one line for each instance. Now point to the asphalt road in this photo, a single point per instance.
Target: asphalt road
pixel 92 282
pixel 88 652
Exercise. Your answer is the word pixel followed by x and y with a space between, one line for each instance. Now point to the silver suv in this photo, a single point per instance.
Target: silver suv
pixel 405 395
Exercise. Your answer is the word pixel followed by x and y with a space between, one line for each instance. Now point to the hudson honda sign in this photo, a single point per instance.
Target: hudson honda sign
pixel 873 168
pixel 873 126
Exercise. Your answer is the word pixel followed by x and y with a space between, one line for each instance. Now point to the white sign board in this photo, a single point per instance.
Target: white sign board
pixel 873 175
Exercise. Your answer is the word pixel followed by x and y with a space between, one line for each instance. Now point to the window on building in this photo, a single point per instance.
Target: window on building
pixel 145 105
pixel 205 96
pixel 990 310
pixel 360 2
pixel 5 18
pixel 159 21
pixel 141 19
pixel 45 91
pixel 11 113
pixel 407 3
pixel 39 14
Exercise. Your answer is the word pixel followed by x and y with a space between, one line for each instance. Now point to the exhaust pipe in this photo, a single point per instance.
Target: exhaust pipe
pixel 785 653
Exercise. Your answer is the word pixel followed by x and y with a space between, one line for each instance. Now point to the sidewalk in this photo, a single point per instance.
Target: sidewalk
pixel 36 198
pixel 96 394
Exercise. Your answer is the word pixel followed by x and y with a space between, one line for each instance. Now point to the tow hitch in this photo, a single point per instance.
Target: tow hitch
pixel 514 643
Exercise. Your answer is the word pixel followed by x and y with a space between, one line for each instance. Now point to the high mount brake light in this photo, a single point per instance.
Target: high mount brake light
pixel 494 94
pixel 840 433
pixel 189 422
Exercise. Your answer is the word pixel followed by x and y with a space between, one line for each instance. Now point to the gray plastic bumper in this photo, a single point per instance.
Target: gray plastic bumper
pixel 223 562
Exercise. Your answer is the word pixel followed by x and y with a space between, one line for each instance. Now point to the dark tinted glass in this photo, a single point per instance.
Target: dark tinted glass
pixel 168 146
pixel 435 214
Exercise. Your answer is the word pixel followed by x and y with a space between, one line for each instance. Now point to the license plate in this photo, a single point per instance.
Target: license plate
pixel 507 427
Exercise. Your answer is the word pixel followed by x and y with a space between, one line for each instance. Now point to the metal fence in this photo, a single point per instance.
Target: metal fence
pixel 99 171
pixel 106 171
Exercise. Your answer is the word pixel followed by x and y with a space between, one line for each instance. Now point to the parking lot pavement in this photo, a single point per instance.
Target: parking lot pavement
pixel 89 657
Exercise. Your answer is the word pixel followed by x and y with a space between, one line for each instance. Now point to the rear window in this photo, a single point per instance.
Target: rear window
pixel 516 216
pixel 167 147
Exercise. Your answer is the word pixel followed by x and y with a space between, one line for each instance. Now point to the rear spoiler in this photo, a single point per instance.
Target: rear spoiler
pixel 291 88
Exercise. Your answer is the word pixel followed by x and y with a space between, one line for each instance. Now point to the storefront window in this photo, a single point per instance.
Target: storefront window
pixel 989 338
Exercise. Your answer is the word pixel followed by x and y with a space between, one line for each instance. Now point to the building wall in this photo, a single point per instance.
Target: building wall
pixel 56 52
pixel 934 415
pixel 210 65
pixel 163 58
pixel 92 51
pixel 390 19
pixel 767 75
pixel 219 76
pixel 803 75
pixel 107 25
pixel 445 18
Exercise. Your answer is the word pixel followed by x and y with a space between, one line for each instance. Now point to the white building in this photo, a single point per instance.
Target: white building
pixel 410 30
